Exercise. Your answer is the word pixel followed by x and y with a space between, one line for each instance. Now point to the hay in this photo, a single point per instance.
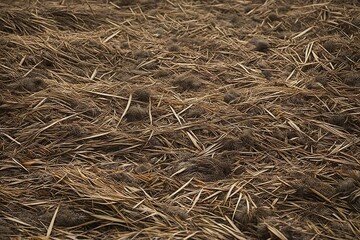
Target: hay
pixel 179 119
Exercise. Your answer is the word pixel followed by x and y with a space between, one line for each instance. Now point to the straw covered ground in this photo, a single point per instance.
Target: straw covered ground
pixel 179 119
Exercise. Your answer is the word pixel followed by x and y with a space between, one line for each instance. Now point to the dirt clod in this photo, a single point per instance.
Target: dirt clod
pixel 267 73
pixel 162 73
pixel 247 137
pixel 174 48
pixel 124 45
pixel 351 78
pixel 308 186
pixel 331 46
pixel 175 211
pixel 31 84
pixel 231 143
pixel 248 8
pixel 5 229
pixel 140 54
pixel 142 168
pixel 261 45
pixel 142 95
pixel 338 119
pixel 323 79
pixel 195 112
pixel 245 216
pixel 273 17
pixel 346 186
pixel 262 231
pixel 67 217
pixel 136 113
pixel 185 83
pixel 75 130
pixel 231 96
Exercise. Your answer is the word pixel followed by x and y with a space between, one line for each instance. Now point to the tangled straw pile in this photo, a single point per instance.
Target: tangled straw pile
pixel 180 119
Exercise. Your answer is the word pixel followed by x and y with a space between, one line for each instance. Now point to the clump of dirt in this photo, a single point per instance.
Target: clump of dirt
pixel 262 231
pixel 351 79
pixel 242 142
pixel 346 186
pixel 313 85
pixel 124 2
pixel 123 177
pixel 247 137
pixel 284 8
pixel 354 200
pixel 267 73
pixel 261 45
pixel 143 168
pixel 232 143
pixel 152 65
pixel 75 130
pixel 124 44
pixel 88 109
pixel 5 230
pixel 162 73
pixel 141 54
pixel 66 217
pixel 31 84
pixel 322 78
pixel 195 112
pixel 331 46
pixel 245 216
pixel 354 174
pixel 339 119
pixel 273 16
pixel 235 19
pixel 308 186
pixel 248 8
pixel 205 169
pixel 231 97
pixel 294 233
pixel 174 211
pixel 185 83
pixel 142 95
pixel 174 48
pixel 287 231
pixel 136 113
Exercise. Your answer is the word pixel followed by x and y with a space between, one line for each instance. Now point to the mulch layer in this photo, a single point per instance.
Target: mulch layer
pixel 179 119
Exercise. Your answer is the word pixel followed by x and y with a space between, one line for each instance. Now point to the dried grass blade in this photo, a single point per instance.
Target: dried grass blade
pixel 18 163
pixel 17 221
pixel 276 232
pixel 181 188
pixel 176 115
pixel 237 204
pixel 125 111
pixel 194 141
pixel 52 222
pixel 195 200
pixel 56 122
pixel 12 139
pixel 302 33
pixel 111 36
pixel 107 95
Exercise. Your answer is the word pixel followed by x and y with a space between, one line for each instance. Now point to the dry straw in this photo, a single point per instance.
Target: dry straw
pixel 179 119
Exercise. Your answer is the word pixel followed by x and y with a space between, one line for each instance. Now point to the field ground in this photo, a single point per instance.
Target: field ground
pixel 186 119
